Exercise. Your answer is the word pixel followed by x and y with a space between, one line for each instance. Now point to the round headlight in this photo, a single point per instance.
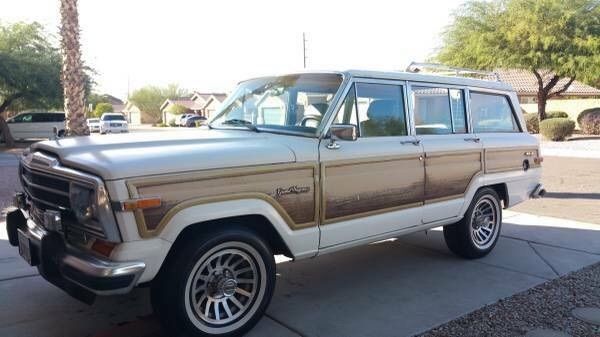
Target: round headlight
pixel 82 202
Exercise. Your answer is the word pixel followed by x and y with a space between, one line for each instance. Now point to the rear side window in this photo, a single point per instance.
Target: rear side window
pixel 492 113
pixel 438 111
pixel 48 117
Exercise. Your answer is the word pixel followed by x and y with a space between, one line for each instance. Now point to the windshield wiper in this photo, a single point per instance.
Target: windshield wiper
pixel 241 122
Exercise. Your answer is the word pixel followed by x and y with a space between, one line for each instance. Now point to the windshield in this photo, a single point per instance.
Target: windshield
pixel 288 103
pixel 113 118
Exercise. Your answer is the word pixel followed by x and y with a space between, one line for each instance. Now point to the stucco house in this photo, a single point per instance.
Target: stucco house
pixel 578 97
pixel 203 104
pixel 134 114
pixel 173 107
pixel 212 104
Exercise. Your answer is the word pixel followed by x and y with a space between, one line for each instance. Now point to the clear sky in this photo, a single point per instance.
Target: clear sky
pixel 210 45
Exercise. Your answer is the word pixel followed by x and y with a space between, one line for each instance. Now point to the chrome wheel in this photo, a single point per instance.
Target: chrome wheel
pixel 485 222
pixel 225 287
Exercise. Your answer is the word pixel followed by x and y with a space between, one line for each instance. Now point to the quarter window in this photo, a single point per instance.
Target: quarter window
pixel 492 113
pixel 380 110
pixel 347 112
pixel 438 111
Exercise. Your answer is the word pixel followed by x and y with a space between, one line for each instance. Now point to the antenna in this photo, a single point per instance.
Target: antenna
pixel 304 48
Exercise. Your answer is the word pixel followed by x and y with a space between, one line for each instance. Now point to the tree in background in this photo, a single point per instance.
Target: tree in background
pixel 29 72
pixel 554 39
pixel 72 75
pixel 149 98
pixel 177 109
pixel 102 108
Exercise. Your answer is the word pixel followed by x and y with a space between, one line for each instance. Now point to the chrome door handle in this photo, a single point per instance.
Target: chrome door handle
pixel 413 142
pixel 474 140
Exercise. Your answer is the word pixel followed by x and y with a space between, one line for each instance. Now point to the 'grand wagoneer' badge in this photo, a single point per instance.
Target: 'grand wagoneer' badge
pixel 291 190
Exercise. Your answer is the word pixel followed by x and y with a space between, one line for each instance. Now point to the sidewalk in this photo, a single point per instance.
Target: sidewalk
pixel 392 288
pixel 588 148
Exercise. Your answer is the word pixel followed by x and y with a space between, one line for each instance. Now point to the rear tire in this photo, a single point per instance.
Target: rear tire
pixel 477 233
pixel 219 284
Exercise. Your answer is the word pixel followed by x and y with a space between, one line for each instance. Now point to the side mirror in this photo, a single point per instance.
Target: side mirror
pixel 343 132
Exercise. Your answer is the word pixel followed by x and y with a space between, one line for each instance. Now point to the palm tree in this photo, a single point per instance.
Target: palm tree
pixel 72 76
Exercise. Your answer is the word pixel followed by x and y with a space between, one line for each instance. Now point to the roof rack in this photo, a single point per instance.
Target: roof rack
pixel 417 67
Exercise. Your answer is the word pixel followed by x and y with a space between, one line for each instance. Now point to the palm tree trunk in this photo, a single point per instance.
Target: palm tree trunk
pixel 72 69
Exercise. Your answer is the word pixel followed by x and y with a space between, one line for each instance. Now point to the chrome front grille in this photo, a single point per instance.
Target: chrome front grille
pixel 47 186
pixel 50 192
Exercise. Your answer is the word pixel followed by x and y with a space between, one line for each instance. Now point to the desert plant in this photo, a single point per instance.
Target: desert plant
pixel 532 122
pixel 593 111
pixel 557 129
pixel 590 124
pixel 172 122
pixel 556 114
pixel 102 108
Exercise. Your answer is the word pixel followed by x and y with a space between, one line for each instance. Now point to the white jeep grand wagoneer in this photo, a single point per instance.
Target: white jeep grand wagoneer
pixel 301 164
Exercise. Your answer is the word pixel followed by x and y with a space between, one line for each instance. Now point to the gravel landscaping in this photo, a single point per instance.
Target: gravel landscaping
pixel 547 306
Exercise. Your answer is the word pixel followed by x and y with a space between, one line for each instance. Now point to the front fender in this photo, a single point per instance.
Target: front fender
pixel 302 243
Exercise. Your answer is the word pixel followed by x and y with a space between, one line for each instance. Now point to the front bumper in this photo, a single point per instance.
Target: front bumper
pixel 80 274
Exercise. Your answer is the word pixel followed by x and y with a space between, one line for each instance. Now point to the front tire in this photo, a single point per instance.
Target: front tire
pixel 217 286
pixel 477 233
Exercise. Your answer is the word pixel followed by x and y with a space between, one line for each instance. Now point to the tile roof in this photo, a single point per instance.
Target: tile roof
pixel 186 102
pixel 525 83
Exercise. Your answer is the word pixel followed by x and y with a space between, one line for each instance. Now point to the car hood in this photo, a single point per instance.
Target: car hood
pixel 139 154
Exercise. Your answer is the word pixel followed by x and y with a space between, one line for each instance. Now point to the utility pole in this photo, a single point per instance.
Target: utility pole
pixel 304 48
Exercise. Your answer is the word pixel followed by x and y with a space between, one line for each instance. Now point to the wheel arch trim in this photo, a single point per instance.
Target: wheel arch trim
pixel 301 242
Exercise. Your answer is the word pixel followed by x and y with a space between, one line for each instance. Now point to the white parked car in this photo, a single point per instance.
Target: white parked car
pixel 93 124
pixel 111 122
pixel 302 165
pixel 38 125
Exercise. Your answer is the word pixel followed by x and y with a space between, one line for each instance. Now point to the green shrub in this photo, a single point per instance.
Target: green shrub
pixel 590 124
pixel 172 122
pixel 102 108
pixel 532 122
pixel 557 129
pixel 556 114
pixel 593 111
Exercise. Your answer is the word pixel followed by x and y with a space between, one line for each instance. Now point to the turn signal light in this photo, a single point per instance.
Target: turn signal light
pixel 145 203
pixel 103 248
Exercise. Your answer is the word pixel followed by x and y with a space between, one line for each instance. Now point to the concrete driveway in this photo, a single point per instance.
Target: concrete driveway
pixel 393 288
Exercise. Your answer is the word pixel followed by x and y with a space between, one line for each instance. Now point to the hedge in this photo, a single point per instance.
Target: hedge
pixel 593 111
pixel 532 122
pixel 556 114
pixel 557 129
pixel 590 124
